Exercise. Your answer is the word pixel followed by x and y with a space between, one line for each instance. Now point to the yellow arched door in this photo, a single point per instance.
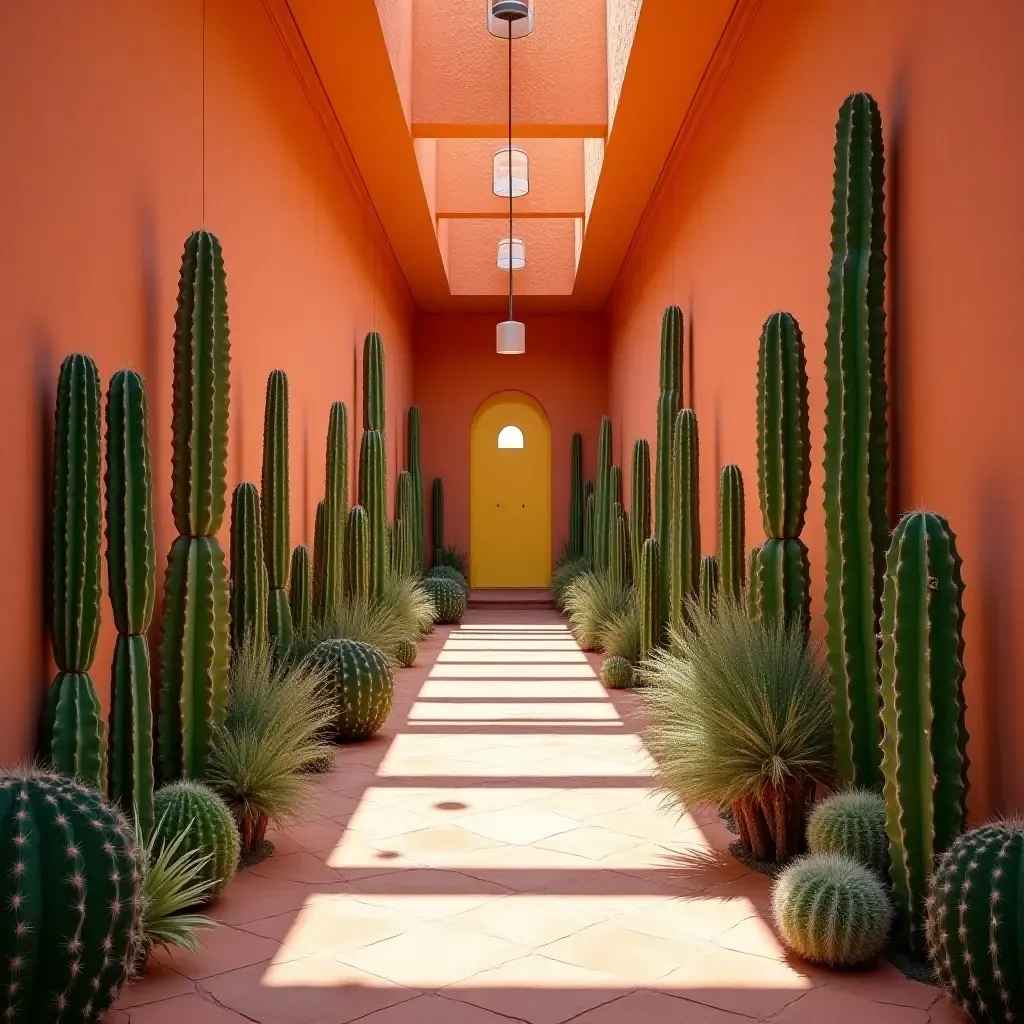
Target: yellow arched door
pixel 510 493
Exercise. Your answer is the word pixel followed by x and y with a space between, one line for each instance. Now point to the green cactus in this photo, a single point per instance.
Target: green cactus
pixel 451 573
pixel 588 490
pixel 437 522
pixel 856 463
pixel 73 735
pixel 670 383
pixel 576 497
pixel 319 558
pixel 617 673
pixel 405 653
pixel 588 531
pixel 732 551
pixel 851 823
pixel 335 514
pixel 831 910
pixel 300 590
pixel 197 812
pixel 708 586
pixel 783 586
pixel 248 572
pixel 71 900
pixel 684 535
pixel 649 596
pixel 416 471
pixel 603 496
pixel 373 498
pixel 275 511
pixel 357 554
pixel 362 686
pixel 374 414
pixel 194 652
pixel 404 500
pixel 402 547
pixel 616 485
pixel 975 926
pixel 924 744
pixel 619 568
pixel 753 567
pixel 639 498
pixel 449 599
pixel 131 580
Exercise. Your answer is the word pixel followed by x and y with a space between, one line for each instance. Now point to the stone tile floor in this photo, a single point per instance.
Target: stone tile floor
pixel 495 855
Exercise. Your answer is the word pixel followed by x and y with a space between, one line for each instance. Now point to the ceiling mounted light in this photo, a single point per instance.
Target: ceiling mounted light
pixel 511 254
pixel 510 18
pixel 511 338
pixel 511 173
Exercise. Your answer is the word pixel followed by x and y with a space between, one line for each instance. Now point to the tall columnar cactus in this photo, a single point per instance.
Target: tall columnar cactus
pixel 70 901
pixel 248 571
pixel 73 736
pixel 405 507
pixel 416 471
pixel 924 745
pixel 300 590
pixel 649 597
pixel 618 548
pixel 732 551
pixel 753 573
pixel 437 519
pixel 335 513
pixel 276 510
pixel 782 590
pixel 373 498
pixel 685 506
pixel 588 531
pixel 576 497
pixel 709 584
pixel 402 549
pixel 357 554
pixel 319 558
pixel 194 652
pixel 616 485
pixel 131 579
pixel 856 463
pixel 603 497
pixel 670 382
pixel 639 499
pixel 374 414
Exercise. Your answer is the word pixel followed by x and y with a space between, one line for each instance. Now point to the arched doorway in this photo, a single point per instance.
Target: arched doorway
pixel 510 493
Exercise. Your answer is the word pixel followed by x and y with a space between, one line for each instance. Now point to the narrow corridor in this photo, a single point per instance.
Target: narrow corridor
pixel 495 854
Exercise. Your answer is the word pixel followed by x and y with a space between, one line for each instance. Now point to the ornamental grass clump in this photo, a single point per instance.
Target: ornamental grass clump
pixel 566 572
pixel 592 602
pixel 741 716
pixel 622 635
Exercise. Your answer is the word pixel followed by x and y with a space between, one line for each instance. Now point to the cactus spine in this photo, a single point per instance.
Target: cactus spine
pixel 300 590
pixel 670 380
pixel 437 522
pixel 194 652
pixel 416 472
pixel 649 596
pixel 275 510
pixel 131 580
pixel 248 572
pixel 576 497
pixel 335 513
pixel 373 498
pixel 709 584
pixel 603 497
pixel 924 745
pixel 732 551
pixel 639 499
pixel 685 507
pixel 357 554
pixel 73 735
pixel 856 463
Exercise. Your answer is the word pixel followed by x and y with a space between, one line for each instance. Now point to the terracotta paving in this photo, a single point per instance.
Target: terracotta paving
pixel 495 855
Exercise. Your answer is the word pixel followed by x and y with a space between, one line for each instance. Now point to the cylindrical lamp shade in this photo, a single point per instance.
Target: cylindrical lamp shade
pixel 511 172
pixel 511 254
pixel 511 338
pixel 515 16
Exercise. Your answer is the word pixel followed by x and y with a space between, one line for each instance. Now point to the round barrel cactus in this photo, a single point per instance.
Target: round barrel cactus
pixel 209 826
pixel 363 686
pixel 405 653
pixel 448 597
pixel 449 572
pixel 831 910
pixel 70 900
pixel 617 673
pixel 851 823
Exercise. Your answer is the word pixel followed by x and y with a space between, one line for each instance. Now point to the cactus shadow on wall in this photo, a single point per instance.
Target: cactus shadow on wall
pixel 45 392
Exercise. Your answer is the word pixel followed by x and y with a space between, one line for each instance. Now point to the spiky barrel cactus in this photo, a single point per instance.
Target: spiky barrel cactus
pixel 248 572
pixel 335 514
pixel 617 673
pixel 414 439
pixel 450 572
pixel 437 519
pixel 670 395
pixel 831 910
pixel 357 554
pixel 373 498
pixel 131 579
pixel 856 461
pixel 603 497
pixel 975 924
pixel 449 599
pixel 924 744
pixel 685 507
pixel 852 823
pixel 649 597
pixel 276 511
pixel 70 900
pixel 73 735
pixel 732 551
pixel 361 684
pixel 753 598
pixel 196 642
pixel 300 590
pixel 197 812
pixel 405 653
pixel 639 499
pixel 588 531
pixel 709 584
pixel 576 497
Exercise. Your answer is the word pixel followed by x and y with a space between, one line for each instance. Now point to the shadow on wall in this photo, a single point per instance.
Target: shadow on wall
pixel 46 394
pixel 897 312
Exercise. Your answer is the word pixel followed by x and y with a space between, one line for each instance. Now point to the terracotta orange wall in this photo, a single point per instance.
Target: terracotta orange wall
pixel 111 157
pixel 742 229
pixel 564 369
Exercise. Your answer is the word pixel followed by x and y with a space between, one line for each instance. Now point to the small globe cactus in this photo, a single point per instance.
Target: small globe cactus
pixel 451 573
pixel 851 823
pixel 617 673
pixel 449 599
pixel 405 653
pixel 831 910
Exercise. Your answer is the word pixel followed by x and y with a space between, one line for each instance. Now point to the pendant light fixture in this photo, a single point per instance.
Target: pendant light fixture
pixel 511 174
